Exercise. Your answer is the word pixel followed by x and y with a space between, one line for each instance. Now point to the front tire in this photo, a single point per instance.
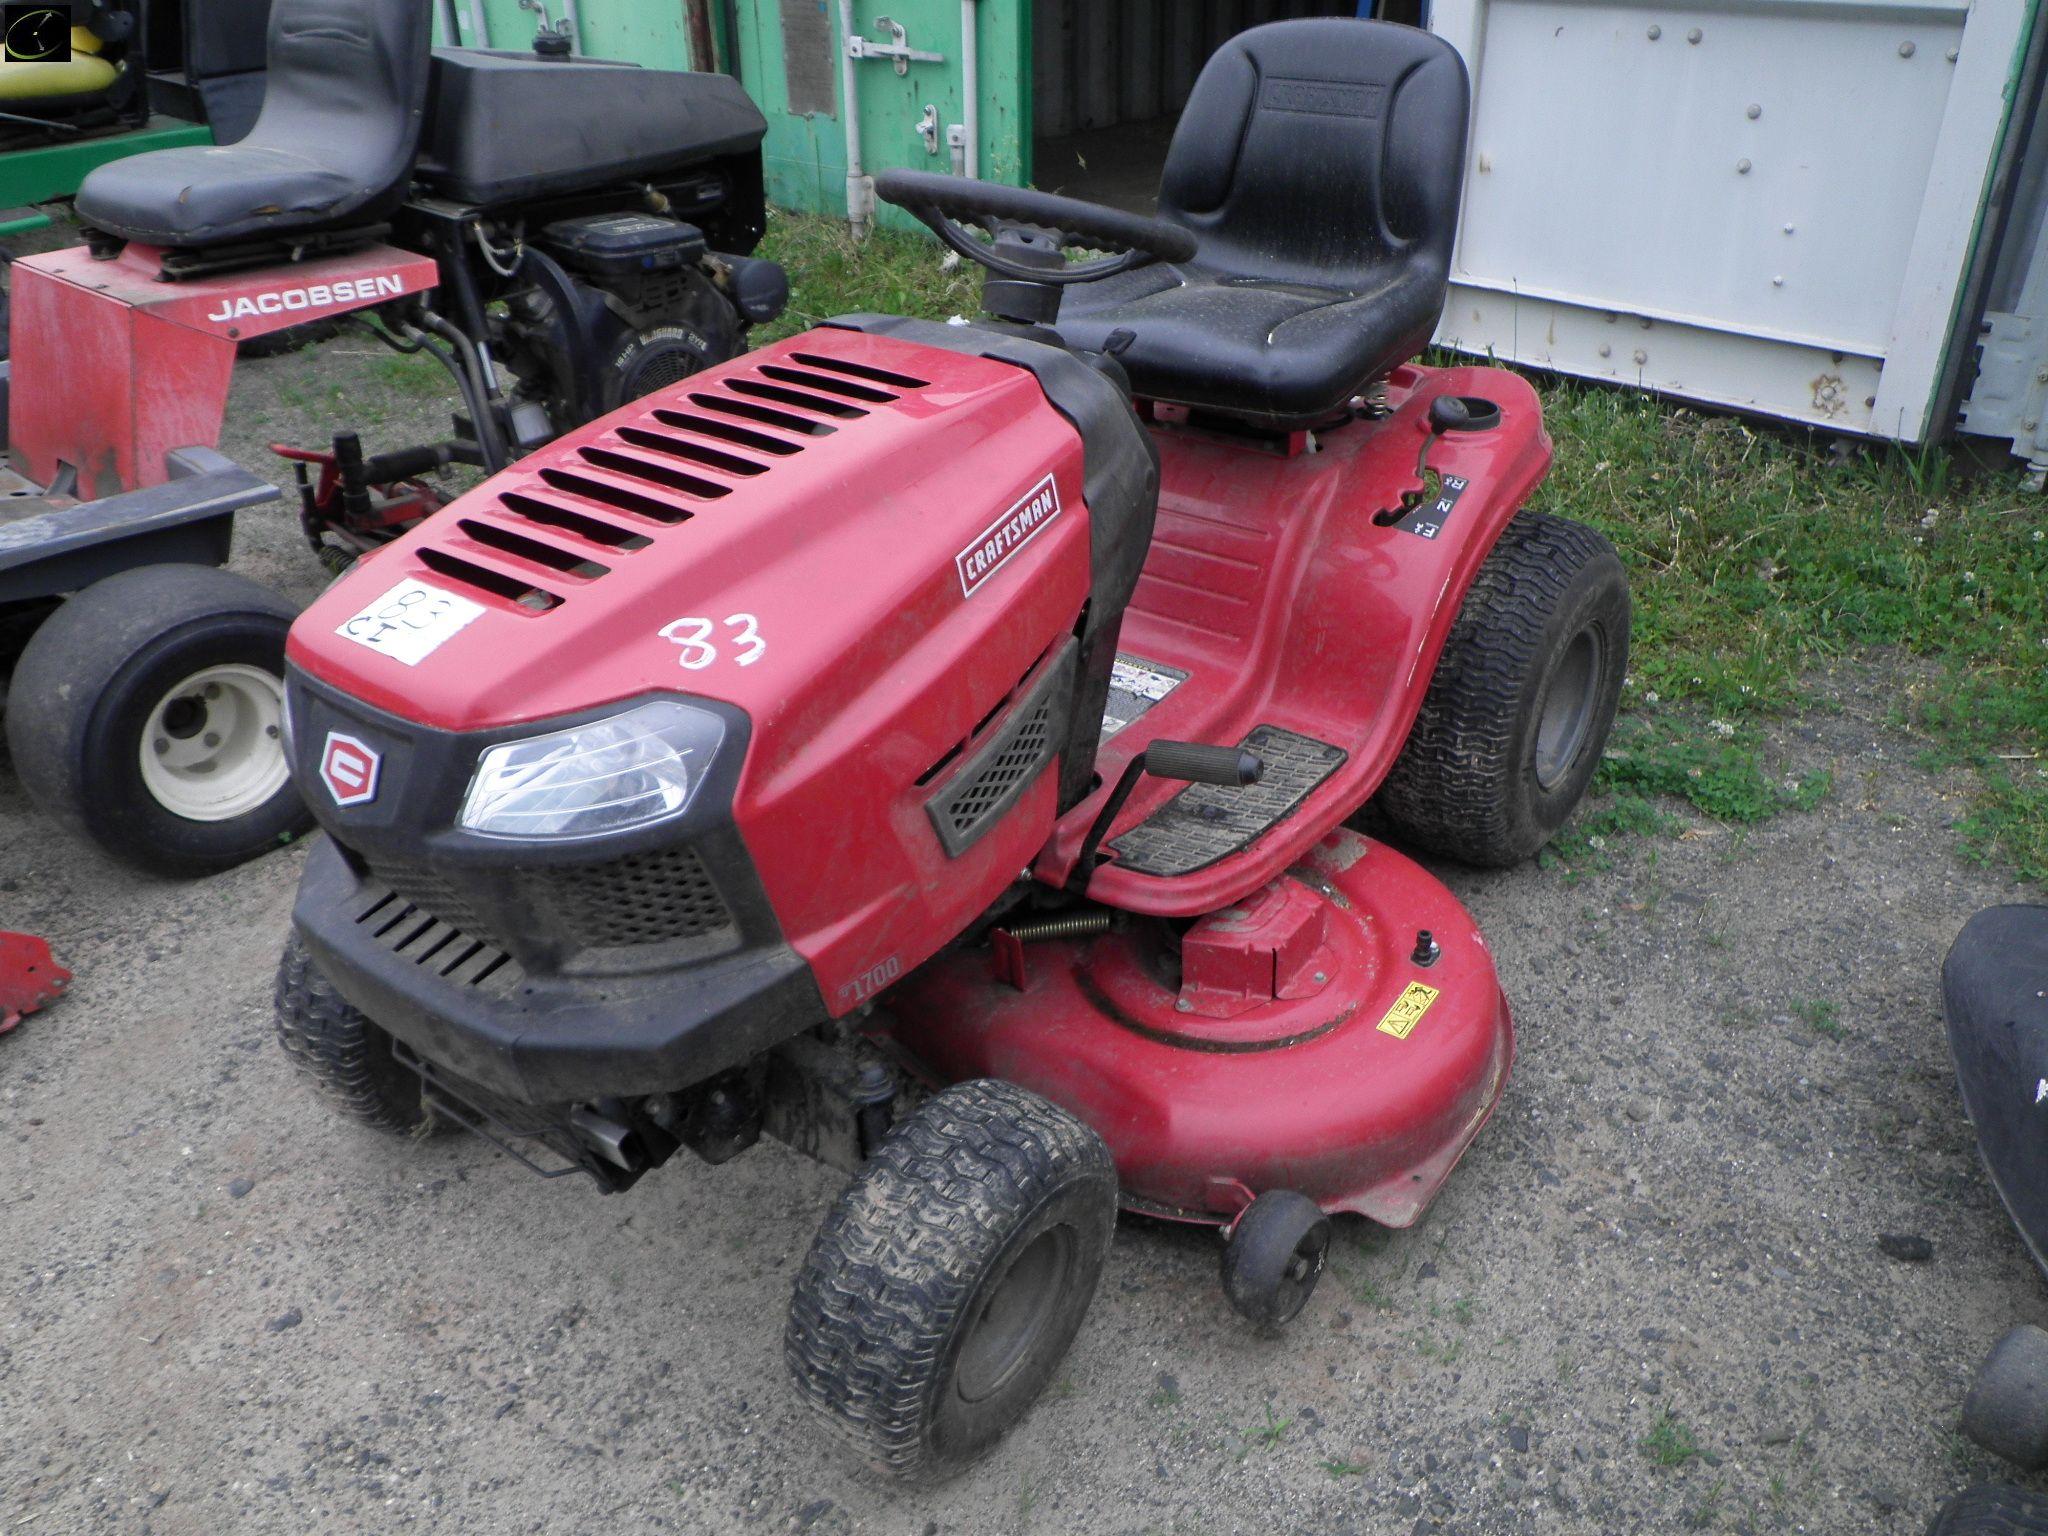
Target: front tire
pixel 2006 1411
pixel 1522 699
pixel 146 715
pixel 949 1279
pixel 342 1054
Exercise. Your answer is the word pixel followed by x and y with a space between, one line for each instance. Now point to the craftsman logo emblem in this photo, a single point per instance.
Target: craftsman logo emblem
pixel 1408 1010
pixel 1006 535
pixel 361 290
pixel 349 769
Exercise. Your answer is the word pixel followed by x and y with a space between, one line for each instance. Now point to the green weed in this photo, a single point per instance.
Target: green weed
pixel 1669 1443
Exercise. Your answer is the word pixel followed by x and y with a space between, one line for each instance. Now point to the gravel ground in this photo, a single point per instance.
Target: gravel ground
pixel 223 1310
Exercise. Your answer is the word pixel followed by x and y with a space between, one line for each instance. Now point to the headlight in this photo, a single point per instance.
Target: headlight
pixel 606 776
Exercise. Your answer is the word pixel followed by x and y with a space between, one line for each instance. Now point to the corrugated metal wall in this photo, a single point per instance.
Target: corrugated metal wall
pixel 1095 64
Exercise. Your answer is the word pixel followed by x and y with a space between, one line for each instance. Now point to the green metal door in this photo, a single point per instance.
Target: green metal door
pixel 789 60
pixel 787 53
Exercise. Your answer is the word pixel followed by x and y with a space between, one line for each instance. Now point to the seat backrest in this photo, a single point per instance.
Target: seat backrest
pixel 1322 152
pixel 347 87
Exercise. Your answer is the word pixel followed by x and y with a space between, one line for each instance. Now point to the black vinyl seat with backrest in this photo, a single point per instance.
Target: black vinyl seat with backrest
pixel 1318 163
pixel 333 145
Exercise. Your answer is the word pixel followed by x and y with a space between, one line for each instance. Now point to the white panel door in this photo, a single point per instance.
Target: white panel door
pixel 1762 205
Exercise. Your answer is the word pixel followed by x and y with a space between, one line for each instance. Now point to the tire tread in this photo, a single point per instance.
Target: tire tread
pixel 896 1259
pixel 1452 789
pixel 340 1052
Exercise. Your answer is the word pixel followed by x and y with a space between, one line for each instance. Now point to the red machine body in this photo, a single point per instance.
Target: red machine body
pixel 873 547
pixel 807 575
pixel 115 367
pixel 30 978
pixel 1302 1048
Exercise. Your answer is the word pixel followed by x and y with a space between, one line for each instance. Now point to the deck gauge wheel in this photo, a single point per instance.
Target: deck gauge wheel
pixel 1275 1256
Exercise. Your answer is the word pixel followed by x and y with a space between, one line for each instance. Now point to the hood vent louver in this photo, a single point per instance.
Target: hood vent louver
pixel 802 399
pixel 576 512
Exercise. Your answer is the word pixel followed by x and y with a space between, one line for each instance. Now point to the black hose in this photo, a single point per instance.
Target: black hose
pixel 467 387
pixel 484 419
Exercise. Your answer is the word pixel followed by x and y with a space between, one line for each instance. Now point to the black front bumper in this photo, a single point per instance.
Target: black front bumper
pixel 546 972
pixel 468 1007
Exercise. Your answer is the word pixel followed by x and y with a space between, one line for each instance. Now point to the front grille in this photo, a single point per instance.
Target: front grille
pixel 644 898
pixel 424 888
pixel 402 927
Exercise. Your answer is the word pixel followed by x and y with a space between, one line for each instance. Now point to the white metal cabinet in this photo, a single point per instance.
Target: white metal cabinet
pixel 1763 205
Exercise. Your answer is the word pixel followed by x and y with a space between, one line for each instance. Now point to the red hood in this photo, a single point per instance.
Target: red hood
pixel 773 516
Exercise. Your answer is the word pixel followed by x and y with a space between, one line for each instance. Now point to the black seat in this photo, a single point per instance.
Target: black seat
pixel 333 145
pixel 1318 163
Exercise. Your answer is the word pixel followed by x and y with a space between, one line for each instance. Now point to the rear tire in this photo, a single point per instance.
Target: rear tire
pixel 184 658
pixel 2007 1409
pixel 1991 1510
pixel 1522 699
pixel 342 1054
pixel 949 1279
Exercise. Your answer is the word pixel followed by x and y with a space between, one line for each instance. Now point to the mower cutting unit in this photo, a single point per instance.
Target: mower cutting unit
pixel 592 259
pixel 901 742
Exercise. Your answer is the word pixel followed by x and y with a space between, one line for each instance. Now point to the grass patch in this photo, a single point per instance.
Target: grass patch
pixel 1755 555
pixel 415 375
pixel 1822 1017
pixel 1669 1443
pixel 1706 1515
pixel 1263 1437
pixel 831 273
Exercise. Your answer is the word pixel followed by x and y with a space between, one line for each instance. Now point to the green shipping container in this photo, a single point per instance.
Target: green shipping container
pixel 788 55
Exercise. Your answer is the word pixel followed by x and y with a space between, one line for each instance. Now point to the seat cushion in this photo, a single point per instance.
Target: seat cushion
pixel 185 196
pixel 1317 164
pixel 1279 352
pixel 332 146
pixel 606 121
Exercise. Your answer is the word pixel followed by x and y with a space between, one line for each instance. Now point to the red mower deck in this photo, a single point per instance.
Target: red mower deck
pixel 1303 1048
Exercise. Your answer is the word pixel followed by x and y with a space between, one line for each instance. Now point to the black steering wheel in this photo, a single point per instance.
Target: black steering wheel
pixel 1031 229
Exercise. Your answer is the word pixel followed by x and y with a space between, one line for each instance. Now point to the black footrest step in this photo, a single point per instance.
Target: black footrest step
pixel 1206 823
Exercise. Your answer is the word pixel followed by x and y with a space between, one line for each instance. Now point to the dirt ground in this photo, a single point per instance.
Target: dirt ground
pixel 224 1310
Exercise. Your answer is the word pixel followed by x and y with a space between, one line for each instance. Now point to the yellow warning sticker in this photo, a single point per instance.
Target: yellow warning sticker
pixel 1408 1010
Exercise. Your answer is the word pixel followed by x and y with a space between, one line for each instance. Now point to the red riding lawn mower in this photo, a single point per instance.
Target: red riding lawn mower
pixel 932 745
pixel 556 273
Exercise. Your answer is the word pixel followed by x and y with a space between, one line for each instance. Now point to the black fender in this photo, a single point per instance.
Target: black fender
pixel 1994 987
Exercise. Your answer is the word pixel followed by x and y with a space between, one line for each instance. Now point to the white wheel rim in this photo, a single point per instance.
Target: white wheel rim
pixel 213 747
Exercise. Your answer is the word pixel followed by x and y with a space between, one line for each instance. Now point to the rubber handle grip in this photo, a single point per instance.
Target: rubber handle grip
pixel 1231 767
pixel 404 463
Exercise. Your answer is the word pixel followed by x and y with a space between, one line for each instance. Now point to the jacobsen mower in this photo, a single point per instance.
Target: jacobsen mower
pixel 932 745
pixel 556 274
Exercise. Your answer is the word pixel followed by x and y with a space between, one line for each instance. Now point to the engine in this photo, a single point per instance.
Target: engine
pixel 622 304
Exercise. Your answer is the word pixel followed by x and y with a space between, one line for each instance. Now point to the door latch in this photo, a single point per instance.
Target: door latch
pixel 897 50
pixel 928 129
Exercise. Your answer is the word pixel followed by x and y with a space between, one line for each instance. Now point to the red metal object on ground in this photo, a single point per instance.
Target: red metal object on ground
pixel 114 367
pixel 29 978
pixel 1295 1044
